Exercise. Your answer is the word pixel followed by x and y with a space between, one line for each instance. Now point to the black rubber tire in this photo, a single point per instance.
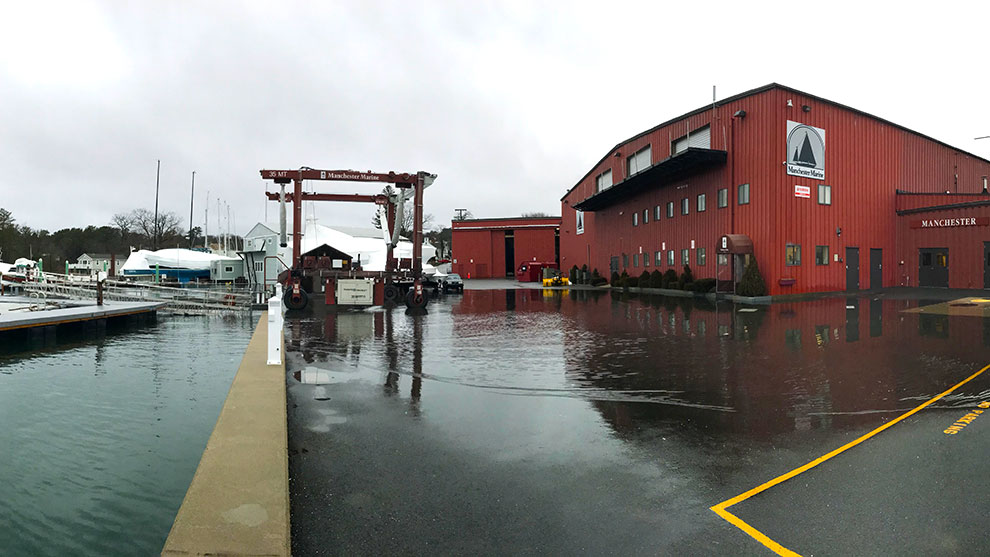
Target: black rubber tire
pixel 414 302
pixel 301 303
pixel 390 293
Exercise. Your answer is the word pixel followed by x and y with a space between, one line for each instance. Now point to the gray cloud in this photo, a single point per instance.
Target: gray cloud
pixel 509 103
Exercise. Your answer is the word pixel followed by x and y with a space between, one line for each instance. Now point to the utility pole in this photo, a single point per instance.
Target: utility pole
pixel 158 176
pixel 191 197
pixel 461 213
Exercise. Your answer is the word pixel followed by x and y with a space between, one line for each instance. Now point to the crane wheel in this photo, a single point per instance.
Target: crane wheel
pixel 295 301
pixel 390 293
pixel 415 302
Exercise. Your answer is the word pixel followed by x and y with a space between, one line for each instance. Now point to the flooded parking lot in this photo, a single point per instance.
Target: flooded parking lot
pixel 529 421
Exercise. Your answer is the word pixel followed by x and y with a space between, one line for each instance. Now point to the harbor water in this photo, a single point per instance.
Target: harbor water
pixel 101 430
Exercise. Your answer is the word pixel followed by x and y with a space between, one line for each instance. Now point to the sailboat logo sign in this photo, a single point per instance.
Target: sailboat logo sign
pixel 805 151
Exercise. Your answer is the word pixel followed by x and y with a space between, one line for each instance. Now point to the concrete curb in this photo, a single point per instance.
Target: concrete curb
pixel 238 501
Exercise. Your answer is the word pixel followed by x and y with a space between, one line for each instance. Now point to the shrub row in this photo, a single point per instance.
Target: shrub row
pixel 669 279
pixel 581 276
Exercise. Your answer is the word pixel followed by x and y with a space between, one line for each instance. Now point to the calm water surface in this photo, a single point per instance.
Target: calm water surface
pixel 100 434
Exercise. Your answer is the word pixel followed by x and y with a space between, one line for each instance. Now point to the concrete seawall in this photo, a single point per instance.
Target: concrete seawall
pixel 238 501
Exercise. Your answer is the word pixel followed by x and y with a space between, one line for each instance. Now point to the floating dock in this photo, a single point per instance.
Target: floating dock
pixel 18 313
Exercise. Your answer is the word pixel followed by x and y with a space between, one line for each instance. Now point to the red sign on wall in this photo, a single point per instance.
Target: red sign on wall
pixel 802 191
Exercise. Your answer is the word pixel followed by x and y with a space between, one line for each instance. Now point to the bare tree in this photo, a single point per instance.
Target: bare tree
pixel 463 214
pixel 142 221
pixel 534 214
pixel 122 221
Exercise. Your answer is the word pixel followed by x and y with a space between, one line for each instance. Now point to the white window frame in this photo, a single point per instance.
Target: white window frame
pixel 723 198
pixel 639 161
pixel 601 179
pixel 824 194
pixel 743 199
pixel 686 206
pixel 702 203
pixel 692 139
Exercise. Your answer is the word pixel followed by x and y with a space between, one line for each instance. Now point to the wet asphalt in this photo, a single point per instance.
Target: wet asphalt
pixel 525 422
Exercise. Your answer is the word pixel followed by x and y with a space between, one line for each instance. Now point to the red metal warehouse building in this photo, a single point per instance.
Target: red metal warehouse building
pixel 490 248
pixel 824 196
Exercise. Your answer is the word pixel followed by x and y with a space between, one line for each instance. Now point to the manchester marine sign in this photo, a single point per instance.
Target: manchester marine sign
pixel 805 151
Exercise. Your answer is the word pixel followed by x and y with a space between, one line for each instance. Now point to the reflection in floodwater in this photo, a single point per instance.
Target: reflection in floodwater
pixel 689 362
pixel 512 422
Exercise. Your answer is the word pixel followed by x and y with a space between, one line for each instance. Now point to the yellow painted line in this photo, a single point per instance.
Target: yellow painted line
pixel 720 509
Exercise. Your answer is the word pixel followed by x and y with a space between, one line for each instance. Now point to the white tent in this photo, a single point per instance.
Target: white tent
pixel 366 245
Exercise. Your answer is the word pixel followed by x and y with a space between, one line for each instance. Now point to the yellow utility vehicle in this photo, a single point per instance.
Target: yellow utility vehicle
pixel 552 277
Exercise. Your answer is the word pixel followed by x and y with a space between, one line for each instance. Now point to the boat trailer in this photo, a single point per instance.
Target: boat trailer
pixel 399 279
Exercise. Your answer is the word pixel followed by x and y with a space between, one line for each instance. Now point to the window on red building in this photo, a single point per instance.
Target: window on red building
pixel 792 255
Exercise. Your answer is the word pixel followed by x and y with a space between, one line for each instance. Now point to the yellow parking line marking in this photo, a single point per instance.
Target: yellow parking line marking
pixel 720 509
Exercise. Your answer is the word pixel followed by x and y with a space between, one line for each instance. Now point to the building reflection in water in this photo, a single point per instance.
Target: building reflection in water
pixel 690 364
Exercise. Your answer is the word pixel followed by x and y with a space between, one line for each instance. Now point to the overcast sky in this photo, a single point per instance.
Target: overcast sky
pixel 509 103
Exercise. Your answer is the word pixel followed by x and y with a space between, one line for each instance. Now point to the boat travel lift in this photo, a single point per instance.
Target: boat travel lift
pixel 400 278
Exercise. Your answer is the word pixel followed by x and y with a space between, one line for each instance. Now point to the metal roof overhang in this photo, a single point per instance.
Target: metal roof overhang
pixel 690 161
pixel 735 243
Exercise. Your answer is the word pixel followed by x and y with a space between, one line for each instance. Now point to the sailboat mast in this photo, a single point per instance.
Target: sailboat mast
pixel 192 195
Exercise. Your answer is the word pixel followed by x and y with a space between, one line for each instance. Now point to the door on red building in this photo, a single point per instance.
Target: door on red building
pixel 876 268
pixel 852 269
pixel 986 264
pixel 933 267
pixel 510 254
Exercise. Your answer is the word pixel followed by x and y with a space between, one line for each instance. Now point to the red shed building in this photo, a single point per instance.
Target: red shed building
pixel 824 196
pixel 494 248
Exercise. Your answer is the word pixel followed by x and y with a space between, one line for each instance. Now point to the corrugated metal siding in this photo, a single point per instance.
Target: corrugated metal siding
pixel 932 200
pixel 468 249
pixel 534 245
pixel 966 264
pixel 478 246
pixel 866 161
